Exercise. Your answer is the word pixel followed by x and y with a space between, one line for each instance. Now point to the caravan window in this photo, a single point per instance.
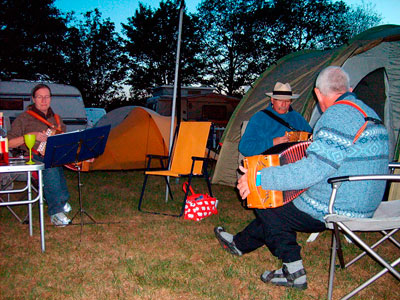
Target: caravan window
pixel 11 104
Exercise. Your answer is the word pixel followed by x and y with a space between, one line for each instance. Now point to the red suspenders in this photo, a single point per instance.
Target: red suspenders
pixel 366 118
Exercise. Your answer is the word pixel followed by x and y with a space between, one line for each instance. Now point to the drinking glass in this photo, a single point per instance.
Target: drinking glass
pixel 30 140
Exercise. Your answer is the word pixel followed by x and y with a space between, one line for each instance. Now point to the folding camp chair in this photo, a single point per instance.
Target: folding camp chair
pixel 188 159
pixel 386 220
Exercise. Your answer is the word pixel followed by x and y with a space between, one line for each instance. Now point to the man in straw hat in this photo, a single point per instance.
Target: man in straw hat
pixel 335 151
pixel 264 129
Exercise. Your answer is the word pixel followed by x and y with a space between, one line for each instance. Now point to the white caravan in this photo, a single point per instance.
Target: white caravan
pixel 15 97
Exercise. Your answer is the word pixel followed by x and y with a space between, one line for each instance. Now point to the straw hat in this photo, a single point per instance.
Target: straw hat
pixel 282 91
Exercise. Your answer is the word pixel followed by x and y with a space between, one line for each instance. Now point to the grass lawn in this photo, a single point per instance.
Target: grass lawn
pixel 134 255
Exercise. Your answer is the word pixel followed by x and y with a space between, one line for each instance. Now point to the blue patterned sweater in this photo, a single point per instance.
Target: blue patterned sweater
pixel 262 129
pixel 332 154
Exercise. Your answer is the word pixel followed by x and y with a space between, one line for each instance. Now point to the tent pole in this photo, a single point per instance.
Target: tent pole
pixel 178 51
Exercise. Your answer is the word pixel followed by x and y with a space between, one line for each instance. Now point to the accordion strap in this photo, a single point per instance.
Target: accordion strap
pixel 43 120
pixel 280 120
pixel 366 118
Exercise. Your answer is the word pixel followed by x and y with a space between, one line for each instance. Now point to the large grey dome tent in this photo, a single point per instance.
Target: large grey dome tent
pixel 373 61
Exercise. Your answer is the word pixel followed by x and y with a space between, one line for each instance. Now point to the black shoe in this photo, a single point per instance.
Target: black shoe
pixel 227 246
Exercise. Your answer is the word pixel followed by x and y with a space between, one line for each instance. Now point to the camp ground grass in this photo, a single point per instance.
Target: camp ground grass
pixel 134 255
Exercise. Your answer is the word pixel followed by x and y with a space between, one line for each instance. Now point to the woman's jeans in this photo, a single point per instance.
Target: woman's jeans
pixel 55 188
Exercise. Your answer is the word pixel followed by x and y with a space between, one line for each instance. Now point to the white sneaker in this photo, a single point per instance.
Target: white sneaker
pixel 67 208
pixel 60 219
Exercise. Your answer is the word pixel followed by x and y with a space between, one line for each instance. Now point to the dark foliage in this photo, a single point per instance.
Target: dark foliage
pixel 95 60
pixel 32 39
pixel 226 44
pixel 152 37
pixel 242 38
pixel 235 50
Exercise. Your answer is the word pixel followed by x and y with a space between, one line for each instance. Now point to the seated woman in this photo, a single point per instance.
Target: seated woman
pixel 54 184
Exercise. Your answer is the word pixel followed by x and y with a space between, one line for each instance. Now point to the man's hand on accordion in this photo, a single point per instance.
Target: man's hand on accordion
pixel 41 136
pixel 280 140
pixel 242 185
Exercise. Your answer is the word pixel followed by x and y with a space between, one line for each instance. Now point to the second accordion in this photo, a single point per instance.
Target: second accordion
pixel 260 198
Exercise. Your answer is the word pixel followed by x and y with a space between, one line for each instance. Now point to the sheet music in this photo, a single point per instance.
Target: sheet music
pixel 75 146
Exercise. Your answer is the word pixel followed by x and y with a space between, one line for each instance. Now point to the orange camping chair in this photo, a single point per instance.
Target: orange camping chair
pixel 188 159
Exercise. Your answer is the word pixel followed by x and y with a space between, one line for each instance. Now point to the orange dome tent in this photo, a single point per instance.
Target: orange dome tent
pixel 142 132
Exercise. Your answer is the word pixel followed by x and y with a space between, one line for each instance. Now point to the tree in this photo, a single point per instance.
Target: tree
pixel 95 60
pixel 235 49
pixel 311 24
pixel 31 36
pixel 227 44
pixel 242 38
pixel 152 43
pixel 362 17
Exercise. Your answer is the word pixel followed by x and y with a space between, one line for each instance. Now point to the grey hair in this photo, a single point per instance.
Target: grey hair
pixel 333 80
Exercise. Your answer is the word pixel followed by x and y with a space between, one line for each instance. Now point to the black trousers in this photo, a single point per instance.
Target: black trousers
pixel 276 228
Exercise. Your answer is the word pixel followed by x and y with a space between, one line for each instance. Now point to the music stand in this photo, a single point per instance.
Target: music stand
pixel 75 147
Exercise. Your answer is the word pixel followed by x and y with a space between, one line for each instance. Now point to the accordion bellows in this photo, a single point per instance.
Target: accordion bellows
pixel 42 146
pixel 260 198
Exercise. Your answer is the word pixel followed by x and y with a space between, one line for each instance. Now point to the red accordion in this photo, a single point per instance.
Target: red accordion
pixel 284 154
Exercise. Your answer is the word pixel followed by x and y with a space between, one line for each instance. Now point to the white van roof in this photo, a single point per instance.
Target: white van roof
pixel 24 88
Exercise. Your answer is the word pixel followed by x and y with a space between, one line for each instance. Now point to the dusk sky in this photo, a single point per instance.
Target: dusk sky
pixel 120 10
